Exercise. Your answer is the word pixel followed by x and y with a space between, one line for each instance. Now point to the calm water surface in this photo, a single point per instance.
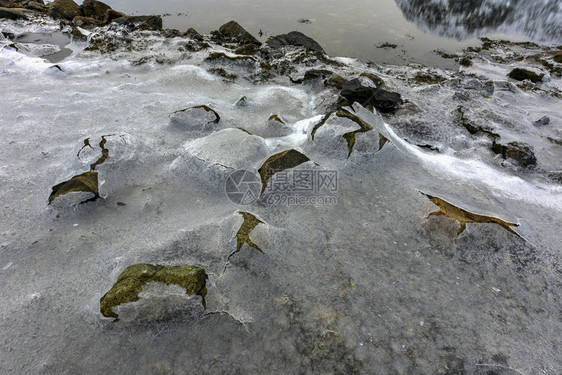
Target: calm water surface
pixel 356 27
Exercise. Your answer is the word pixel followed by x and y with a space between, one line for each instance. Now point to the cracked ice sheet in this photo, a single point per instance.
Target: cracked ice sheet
pixel 339 288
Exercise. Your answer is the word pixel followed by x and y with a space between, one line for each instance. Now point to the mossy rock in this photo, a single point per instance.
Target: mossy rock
pixel 64 9
pixel 86 182
pixel 378 81
pixel 558 58
pixel 131 281
pixel 464 217
pixel 13 13
pixel 428 78
pixel 94 9
pixel 279 162
pixel 111 15
pixel 520 74
pixel 243 234
pixel 335 81
pixel 246 49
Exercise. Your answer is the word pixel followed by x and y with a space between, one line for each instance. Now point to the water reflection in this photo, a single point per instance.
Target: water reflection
pixel 539 20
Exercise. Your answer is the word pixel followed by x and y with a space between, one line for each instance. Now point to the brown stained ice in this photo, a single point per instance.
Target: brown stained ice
pixel 464 217
pixel 279 162
pixel 131 281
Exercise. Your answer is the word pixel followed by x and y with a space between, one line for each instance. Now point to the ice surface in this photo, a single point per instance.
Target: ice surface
pixel 369 284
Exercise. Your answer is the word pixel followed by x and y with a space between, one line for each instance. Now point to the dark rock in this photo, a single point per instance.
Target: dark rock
pixel 520 74
pixel 382 100
pixel 86 22
pixel 193 34
pixel 238 34
pixel 10 36
pixel 13 13
pixel 294 38
pixel 543 121
pixel 94 9
pixel 34 5
pixel 317 74
pixel 518 151
pixel 111 15
pixel 558 58
pixel 77 35
pixel 64 9
pixel 555 176
pixel 141 22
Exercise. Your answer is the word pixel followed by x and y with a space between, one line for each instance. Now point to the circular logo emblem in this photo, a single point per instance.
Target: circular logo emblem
pixel 243 187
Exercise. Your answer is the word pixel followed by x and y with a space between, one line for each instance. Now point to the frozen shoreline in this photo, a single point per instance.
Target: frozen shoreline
pixel 369 285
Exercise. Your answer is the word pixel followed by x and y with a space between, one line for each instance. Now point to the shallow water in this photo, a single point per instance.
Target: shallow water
pixel 355 28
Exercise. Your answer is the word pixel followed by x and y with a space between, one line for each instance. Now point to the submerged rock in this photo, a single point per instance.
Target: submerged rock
pixel 543 121
pixel 279 162
pixel 294 38
pixel 237 33
pixel 464 217
pixel 518 151
pixel 384 101
pixel 520 74
pixel 199 117
pixel 131 281
pixel 64 9
pixel 86 182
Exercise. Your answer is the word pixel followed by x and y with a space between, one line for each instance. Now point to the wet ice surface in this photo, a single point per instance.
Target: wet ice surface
pixel 368 285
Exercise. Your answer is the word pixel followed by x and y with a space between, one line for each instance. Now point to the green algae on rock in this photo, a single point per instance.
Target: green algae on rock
pixel 131 281
pixel 243 234
pixel 86 182
pixel 350 136
pixel 64 9
pixel 275 118
pixel 279 162
pixel 464 217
